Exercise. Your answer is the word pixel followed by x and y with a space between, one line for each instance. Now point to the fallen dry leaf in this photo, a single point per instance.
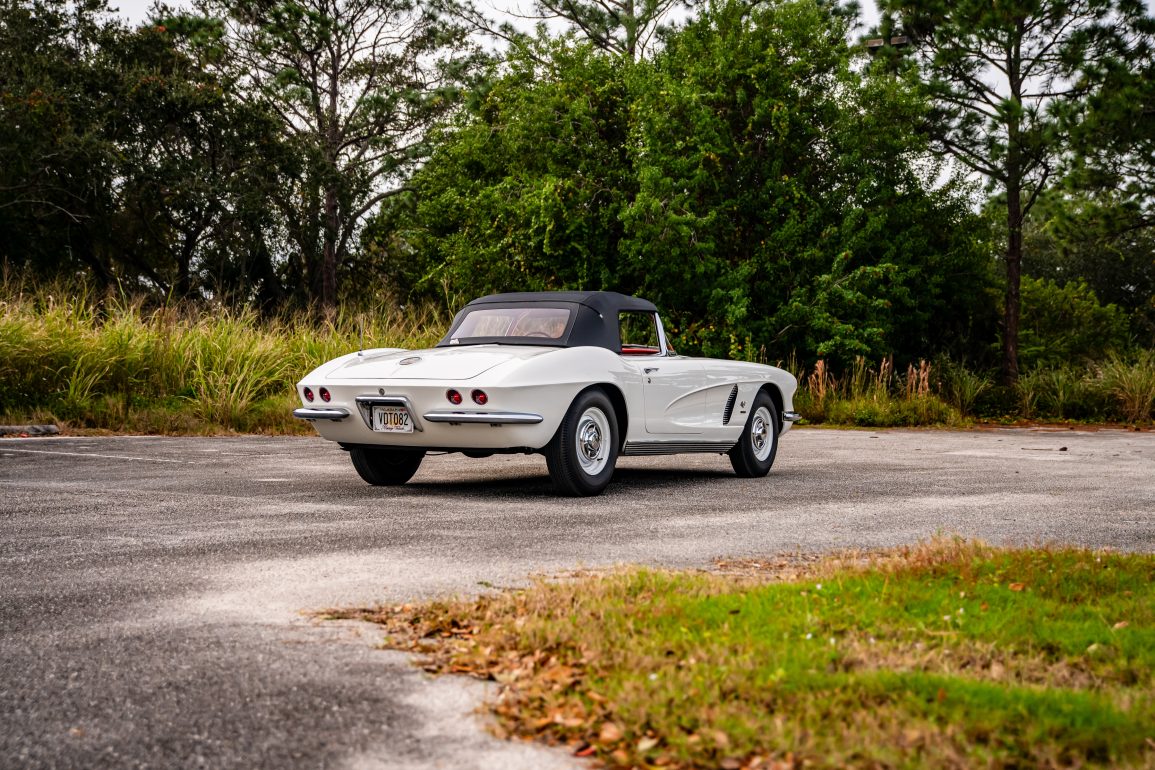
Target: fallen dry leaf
pixel 1121 624
pixel 610 733
pixel 1016 586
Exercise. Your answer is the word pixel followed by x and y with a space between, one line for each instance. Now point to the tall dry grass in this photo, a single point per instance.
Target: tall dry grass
pixel 114 363
pixel 872 396
pixel 69 356
pixel 944 392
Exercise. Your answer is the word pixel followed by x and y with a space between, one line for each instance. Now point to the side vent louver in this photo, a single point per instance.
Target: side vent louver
pixel 729 410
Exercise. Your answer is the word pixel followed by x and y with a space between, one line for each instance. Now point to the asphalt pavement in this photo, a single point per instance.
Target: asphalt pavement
pixel 154 591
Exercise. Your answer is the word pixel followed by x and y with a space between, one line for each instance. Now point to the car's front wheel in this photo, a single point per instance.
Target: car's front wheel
pixel 385 467
pixel 583 452
pixel 754 453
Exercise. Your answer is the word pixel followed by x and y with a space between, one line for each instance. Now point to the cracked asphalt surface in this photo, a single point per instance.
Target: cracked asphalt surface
pixel 152 589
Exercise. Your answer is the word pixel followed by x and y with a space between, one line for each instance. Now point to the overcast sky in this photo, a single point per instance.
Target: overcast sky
pixel 137 10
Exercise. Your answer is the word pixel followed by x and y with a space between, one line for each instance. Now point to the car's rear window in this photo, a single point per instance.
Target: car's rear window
pixel 516 322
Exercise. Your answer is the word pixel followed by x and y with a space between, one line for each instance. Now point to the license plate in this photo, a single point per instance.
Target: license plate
pixel 391 419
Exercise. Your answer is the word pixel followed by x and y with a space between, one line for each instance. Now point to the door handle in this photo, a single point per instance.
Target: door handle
pixel 650 369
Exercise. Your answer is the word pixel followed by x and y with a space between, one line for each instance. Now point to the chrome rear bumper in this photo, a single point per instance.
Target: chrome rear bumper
pixel 335 414
pixel 485 418
pixel 791 417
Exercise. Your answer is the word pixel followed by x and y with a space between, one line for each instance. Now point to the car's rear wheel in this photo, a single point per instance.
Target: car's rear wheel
pixel 386 467
pixel 754 453
pixel 583 452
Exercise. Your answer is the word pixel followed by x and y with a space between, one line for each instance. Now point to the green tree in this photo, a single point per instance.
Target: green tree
pixel 1114 134
pixel 1067 324
pixel 525 191
pixel 1093 238
pixel 789 199
pixel 1004 77
pixel 748 178
pixel 625 28
pixel 123 160
pixel 356 85
pixel 197 166
pixel 57 154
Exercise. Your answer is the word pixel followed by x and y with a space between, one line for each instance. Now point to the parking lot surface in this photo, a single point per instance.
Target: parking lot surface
pixel 152 590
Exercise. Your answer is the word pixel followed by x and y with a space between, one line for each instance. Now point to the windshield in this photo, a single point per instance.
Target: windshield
pixel 513 322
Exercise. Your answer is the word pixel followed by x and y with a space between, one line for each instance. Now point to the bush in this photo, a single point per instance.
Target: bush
pixel 960 386
pixel 892 412
pixel 1132 385
pixel 1065 325
pixel 875 398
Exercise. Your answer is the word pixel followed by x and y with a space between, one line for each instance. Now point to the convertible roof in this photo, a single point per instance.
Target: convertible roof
pixel 595 321
pixel 601 301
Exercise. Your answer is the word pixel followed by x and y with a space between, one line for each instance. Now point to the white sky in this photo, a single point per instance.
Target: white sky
pixel 136 11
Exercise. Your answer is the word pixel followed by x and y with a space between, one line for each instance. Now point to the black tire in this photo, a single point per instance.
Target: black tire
pixel 583 452
pixel 754 453
pixel 386 467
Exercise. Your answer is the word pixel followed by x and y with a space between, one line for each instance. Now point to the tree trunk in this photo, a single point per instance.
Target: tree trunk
pixel 183 262
pixel 1014 276
pixel 631 24
pixel 329 254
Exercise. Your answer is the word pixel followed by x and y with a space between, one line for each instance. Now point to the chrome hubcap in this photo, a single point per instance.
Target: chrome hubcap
pixel 760 438
pixel 593 433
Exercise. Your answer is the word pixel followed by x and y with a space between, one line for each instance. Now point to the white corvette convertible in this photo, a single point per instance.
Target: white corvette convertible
pixel 580 377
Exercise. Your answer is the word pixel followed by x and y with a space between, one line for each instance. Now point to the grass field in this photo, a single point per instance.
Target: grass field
pixel 949 654
pixel 116 364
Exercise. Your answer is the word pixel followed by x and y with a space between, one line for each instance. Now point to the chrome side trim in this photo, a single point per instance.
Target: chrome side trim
pixel 637 448
pixel 728 412
pixel 336 413
pixel 663 346
pixel 365 406
pixel 791 417
pixel 485 418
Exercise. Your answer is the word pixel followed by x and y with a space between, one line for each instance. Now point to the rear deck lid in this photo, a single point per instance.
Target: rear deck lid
pixel 461 363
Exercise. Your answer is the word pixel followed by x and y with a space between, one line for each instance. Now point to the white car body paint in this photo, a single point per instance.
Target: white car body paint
pixel 580 377
pixel 681 400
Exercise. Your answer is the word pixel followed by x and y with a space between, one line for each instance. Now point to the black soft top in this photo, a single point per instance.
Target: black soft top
pixel 593 322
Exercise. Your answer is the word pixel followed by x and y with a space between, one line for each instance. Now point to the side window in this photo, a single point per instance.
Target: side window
pixel 638 333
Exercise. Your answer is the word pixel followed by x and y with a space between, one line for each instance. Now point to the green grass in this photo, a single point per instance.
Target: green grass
pixel 951 654
pixel 86 362
pixel 91 362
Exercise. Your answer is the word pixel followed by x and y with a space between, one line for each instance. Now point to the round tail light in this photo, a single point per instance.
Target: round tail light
pixel 453 396
pixel 309 395
pixel 325 394
pixel 479 397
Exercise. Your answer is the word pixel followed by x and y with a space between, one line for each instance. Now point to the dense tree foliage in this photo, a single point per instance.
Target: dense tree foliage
pixel 1093 239
pixel 1005 78
pixel 775 190
pixel 748 178
pixel 121 159
pixel 1067 324
pixel 787 201
pixel 355 85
